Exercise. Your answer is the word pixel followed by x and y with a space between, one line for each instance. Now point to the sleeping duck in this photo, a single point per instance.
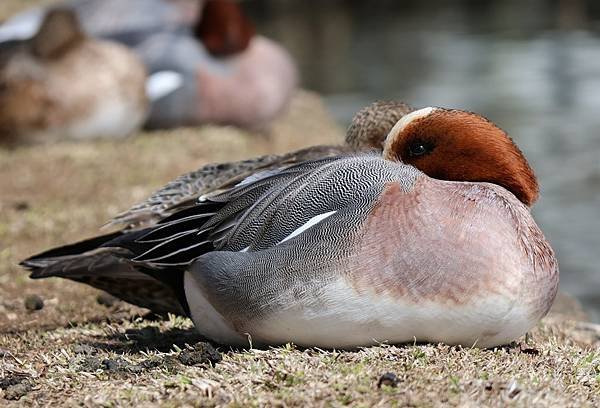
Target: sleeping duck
pixel 63 84
pixel 425 236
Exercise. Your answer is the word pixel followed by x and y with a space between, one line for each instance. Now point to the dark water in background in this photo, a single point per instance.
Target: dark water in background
pixel 533 67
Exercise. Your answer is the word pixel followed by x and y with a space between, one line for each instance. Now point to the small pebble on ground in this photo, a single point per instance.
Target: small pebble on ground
pixel 202 353
pixel 34 303
pixel 389 379
pixel 106 299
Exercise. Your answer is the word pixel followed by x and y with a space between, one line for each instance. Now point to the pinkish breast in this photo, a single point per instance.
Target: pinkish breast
pixel 454 243
pixel 251 89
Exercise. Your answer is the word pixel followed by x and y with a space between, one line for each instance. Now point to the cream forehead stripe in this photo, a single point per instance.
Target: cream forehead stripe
pixel 401 125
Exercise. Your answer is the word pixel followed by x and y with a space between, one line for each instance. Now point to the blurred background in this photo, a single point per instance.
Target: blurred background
pixel 532 67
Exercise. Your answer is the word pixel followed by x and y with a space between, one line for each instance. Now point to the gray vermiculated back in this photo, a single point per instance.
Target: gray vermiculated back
pixel 270 275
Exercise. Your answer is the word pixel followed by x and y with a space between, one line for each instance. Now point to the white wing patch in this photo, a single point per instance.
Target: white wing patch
pixel 162 83
pixel 21 27
pixel 313 221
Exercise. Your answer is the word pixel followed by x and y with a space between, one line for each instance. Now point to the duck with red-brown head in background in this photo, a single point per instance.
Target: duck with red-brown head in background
pixel 229 75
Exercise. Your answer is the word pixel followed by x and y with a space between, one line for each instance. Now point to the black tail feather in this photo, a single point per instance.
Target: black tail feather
pixel 77 248
pixel 110 262
pixel 103 262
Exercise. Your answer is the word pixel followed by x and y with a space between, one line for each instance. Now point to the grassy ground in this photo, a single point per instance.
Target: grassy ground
pixel 78 351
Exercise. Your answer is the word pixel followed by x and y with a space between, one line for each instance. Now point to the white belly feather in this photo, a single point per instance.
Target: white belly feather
pixel 341 317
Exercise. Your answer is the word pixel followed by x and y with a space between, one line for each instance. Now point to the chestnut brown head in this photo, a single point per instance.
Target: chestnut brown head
pixel 223 28
pixel 461 146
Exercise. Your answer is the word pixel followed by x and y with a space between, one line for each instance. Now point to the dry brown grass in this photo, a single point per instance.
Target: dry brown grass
pixel 115 363
pixel 77 352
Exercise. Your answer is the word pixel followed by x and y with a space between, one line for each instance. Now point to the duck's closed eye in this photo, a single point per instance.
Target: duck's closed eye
pixel 419 148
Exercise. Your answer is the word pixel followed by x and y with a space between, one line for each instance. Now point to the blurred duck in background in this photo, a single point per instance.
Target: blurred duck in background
pixel 128 21
pixel 205 63
pixel 229 74
pixel 62 84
